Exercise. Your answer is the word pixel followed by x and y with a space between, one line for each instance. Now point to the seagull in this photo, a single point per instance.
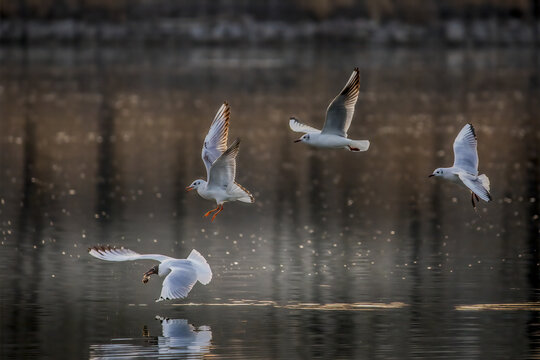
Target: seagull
pixel 338 120
pixel 180 274
pixel 220 163
pixel 465 169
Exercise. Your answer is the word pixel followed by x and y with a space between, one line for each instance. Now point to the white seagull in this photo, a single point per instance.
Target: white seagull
pixel 338 120
pixel 465 169
pixel 180 274
pixel 220 163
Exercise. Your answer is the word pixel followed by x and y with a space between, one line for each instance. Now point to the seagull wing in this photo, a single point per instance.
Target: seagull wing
pixel 179 282
pixel 215 142
pixel 113 254
pixel 340 111
pixel 465 153
pixel 297 126
pixel 475 184
pixel 223 170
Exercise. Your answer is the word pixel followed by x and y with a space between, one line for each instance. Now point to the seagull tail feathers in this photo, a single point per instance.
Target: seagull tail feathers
pixel 484 180
pixel 204 273
pixel 358 145
pixel 245 195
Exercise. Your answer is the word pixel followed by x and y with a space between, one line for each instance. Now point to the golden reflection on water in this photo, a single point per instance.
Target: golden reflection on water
pixel 346 306
pixel 528 306
pixel 307 306
pixel 234 303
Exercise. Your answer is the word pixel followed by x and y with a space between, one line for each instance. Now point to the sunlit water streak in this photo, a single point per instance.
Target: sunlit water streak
pixel 304 306
pixel 501 307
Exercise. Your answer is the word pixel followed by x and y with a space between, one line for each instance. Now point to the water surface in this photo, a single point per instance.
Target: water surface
pixel 343 255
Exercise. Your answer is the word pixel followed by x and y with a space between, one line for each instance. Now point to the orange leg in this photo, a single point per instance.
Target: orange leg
pixel 211 211
pixel 220 209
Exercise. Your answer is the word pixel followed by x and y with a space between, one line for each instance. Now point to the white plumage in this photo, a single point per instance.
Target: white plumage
pixel 338 120
pixel 220 163
pixel 465 169
pixel 180 274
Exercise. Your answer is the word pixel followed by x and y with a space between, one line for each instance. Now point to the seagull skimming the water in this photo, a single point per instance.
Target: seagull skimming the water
pixel 220 163
pixel 180 274
pixel 465 169
pixel 338 120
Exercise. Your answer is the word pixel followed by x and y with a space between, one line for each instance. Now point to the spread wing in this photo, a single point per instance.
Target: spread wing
pixel 297 126
pixel 340 111
pixel 179 281
pixel 113 254
pixel 465 153
pixel 223 170
pixel 215 142
pixel 475 184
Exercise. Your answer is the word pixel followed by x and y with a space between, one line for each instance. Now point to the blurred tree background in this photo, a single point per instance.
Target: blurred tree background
pixel 496 22
pixel 416 11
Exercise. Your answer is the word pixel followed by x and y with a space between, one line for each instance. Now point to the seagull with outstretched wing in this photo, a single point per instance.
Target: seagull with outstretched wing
pixel 220 163
pixel 465 169
pixel 338 120
pixel 180 274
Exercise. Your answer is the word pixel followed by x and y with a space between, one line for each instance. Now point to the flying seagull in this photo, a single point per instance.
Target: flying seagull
pixel 180 274
pixel 465 169
pixel 220 163
pixel 338 120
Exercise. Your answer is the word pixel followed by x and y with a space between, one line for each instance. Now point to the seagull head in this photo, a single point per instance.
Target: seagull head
pixel 152 271
pixel 304 138
pixel 437 172
pixel 195 185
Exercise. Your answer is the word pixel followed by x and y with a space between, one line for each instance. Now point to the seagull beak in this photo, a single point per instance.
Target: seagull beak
pixel 189 188
pixel 297 140
pixel 149 273
pixel 430 175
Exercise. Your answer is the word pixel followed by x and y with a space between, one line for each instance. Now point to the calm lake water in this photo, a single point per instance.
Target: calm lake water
pixel 343 255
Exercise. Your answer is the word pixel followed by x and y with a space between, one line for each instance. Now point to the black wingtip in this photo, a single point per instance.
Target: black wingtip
pixel 102 248
pixel 473 130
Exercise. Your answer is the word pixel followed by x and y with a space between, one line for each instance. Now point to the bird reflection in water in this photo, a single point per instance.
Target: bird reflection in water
pixel 179 340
